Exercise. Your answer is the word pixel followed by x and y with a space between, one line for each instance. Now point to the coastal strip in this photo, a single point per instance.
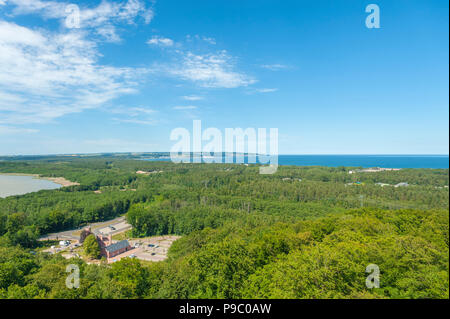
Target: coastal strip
pixel 57 180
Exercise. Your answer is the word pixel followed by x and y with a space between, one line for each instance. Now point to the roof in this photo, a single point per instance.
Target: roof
pixel 119 245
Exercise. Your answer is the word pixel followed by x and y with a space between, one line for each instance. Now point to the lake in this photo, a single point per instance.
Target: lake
pixel 19 185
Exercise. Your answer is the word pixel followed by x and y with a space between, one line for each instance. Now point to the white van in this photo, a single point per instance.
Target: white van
pixel 64 243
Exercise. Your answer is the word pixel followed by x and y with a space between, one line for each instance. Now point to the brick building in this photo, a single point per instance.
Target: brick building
pixel 107 247
pixel 117 248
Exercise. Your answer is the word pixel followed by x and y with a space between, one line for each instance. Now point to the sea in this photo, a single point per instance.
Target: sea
pixel 385 161
pixel 18 185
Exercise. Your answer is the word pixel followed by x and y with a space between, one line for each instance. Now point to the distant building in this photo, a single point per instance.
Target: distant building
pixel 376 169
pixel 382 184
pixel 402 185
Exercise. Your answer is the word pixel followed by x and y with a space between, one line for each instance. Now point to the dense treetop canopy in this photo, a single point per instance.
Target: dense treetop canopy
pixel 303 232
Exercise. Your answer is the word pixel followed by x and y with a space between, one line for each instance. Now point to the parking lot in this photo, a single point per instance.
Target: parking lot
pixel 68 250
pixel 150 248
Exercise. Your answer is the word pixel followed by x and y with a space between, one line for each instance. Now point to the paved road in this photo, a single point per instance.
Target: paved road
pixel 101 227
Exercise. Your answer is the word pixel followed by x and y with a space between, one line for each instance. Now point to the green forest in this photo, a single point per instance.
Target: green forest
pixel 303 232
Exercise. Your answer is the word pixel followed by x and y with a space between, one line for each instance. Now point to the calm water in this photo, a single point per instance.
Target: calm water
pixel 388 161
pixel 19 185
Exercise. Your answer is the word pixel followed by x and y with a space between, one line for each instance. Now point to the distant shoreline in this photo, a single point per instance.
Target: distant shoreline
pixel 57 180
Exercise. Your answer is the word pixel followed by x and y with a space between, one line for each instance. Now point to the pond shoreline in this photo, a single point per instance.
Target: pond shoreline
pixel 57 180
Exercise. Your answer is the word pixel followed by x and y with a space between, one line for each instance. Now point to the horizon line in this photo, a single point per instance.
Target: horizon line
pixel 285 154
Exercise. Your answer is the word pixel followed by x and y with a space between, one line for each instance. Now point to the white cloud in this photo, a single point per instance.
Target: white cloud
pixel 108 32
pixel 209 40
pixel 210 70
pixel 185 107
pixel 11 130
pixel 132 111
pixel 101 18
pixel 160 41
pixel 139 110
pixel 136 115
pixel 266 90
pixel 137 121
pixel 192 98
pixel 44 75
pixel 274 67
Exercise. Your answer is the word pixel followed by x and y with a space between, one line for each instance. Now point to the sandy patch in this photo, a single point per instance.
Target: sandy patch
pixel 61 181
pixel 148 173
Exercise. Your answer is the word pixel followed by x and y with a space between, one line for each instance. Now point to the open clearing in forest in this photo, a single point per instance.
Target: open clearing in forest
pixel 119 225
pixel 150 248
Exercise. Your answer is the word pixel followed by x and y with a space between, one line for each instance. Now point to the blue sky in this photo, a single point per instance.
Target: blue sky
pixel 135 70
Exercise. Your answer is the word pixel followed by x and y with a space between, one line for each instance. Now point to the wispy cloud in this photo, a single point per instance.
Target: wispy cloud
pixel 266 90
pixel 11 130
pixel 210 70
pixel 160 41
pixel 274 67
pixel 136 115
pixel 185 107
pixel 132 111
pixel 137 121
pixel 102 18
pixel 193 98
pixel 45 75
pixel 209 40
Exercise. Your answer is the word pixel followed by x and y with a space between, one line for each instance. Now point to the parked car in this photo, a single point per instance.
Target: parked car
pixel 64 243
